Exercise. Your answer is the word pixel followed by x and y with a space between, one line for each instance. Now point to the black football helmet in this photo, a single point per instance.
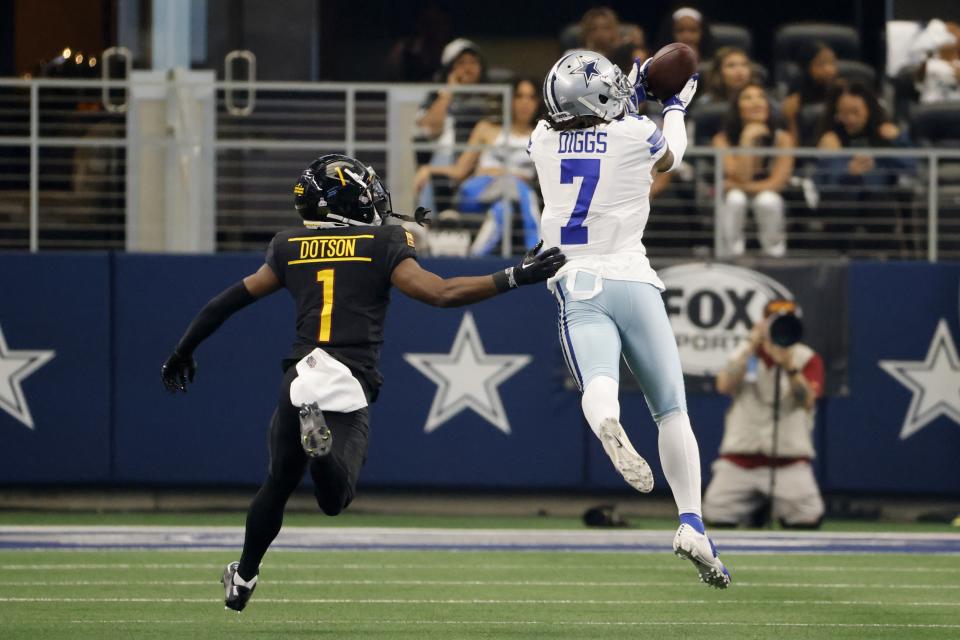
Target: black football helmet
pixel 338 188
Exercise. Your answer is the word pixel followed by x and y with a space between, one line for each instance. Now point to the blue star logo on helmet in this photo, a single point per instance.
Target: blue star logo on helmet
pixel 588 69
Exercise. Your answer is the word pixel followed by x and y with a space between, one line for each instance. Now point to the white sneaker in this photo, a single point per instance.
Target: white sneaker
pixel 625 458
pixel 700 550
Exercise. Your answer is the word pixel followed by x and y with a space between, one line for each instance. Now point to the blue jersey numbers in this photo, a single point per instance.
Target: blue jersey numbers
pixel 575 232
pixel 583 141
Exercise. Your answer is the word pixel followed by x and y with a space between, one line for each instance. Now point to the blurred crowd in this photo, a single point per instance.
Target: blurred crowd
pixel 816 92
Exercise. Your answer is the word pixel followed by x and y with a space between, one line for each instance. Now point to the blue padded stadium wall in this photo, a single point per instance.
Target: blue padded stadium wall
pixel 101 417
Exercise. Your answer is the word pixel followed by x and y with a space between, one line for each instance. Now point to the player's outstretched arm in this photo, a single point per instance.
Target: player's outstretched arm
pixel 180 367
pixel 425 286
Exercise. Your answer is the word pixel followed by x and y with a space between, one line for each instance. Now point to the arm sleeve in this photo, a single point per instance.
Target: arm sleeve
pixel 400 245
pixel 214 314
pixel 272 260
pixel 675 132
pixel 813 372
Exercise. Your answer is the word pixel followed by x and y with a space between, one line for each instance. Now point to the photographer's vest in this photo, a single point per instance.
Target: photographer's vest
pixel 748 426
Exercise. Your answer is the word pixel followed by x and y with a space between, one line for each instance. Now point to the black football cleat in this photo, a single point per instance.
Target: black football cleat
pixel 235 596
pixel 315 436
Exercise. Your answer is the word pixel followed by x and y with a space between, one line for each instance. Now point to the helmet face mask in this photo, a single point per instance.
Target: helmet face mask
pixel 338 189
pixel 584 83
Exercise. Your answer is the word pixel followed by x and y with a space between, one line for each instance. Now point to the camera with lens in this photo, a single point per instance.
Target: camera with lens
pixel 784 326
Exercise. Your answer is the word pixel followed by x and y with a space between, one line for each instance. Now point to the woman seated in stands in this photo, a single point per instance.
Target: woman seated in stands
pixel 689 26
pixel 730 71
pixel 818 75
pixel 854 118
pixel 753 181
pixel 501 172
pixel 862 186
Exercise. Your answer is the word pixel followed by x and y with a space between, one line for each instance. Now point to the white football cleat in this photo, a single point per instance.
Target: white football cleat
pixel 700 550
pixel 625 458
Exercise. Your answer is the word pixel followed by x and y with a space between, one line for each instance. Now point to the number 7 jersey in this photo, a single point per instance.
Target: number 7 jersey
pixel 596 195
pixel 340 280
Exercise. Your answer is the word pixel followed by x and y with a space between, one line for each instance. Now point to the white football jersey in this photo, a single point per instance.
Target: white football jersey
pixel 596 195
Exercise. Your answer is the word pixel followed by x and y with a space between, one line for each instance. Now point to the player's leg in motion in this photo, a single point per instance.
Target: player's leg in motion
pixel 265 516
pixel 651 352
pixel 591 347
pixel 335 475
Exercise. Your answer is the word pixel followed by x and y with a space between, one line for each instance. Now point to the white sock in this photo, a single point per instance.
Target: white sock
pixel 680 459
pixel 600 401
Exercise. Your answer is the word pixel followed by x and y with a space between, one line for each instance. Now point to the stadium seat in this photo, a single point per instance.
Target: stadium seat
pixel 731 35
pixel 790 44
pixel 937 124
pixel 708 120
pixel 808 124
pixel 790 40
pixel 856 71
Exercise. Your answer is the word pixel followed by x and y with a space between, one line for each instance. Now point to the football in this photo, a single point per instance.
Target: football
pixel 670 69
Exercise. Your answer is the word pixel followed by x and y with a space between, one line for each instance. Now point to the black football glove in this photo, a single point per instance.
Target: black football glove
pixel 535 267
pixel 177 371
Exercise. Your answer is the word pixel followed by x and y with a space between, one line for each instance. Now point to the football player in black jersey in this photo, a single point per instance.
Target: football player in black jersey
pixel 339 270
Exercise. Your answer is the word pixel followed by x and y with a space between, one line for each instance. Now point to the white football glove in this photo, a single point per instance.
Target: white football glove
pixel 638 78
pixel 682 99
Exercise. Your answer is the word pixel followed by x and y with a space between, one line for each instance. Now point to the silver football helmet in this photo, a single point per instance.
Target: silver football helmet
pixel 584 83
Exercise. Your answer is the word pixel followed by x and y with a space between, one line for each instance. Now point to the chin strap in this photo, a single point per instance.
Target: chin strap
pixel 419 216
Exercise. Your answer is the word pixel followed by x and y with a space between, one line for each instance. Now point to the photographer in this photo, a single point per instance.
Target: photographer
pixel 758 458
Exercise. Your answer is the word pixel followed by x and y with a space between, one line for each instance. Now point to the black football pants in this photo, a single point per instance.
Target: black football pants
pixel 334 475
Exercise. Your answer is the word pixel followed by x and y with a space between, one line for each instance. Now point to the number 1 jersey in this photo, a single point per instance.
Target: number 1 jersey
pixel 596 195
pixel 339 279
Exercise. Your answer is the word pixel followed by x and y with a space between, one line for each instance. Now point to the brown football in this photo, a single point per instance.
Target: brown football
pixel 670 69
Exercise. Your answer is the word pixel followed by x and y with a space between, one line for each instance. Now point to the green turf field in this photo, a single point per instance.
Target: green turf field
pixel 106 595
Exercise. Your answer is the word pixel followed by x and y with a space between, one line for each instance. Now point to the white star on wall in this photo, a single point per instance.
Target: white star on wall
pixel 14 367
pixel 467 377
pixel 934 381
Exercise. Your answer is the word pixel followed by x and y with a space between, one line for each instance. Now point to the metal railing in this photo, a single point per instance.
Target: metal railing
pixel 64 178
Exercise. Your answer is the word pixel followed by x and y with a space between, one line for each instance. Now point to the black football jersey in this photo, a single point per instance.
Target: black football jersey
pixel 340 280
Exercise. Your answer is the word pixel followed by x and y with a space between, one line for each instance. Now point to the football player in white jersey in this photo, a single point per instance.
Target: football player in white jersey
pixel 596 159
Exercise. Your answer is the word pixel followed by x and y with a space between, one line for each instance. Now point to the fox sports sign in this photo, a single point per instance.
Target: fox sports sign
pixel 712 308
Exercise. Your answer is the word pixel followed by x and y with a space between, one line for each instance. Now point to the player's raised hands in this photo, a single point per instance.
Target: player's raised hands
pixel 638 78
pixel 684 98
pixel 536 266
pixel 177 371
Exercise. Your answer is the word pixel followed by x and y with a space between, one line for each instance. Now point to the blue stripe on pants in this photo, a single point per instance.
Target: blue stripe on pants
pixel 565 339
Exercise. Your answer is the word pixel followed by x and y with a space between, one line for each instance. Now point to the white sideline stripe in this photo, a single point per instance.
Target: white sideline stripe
pixel 483 567
pixel 484 601
pixel 546 623
pixel 498 583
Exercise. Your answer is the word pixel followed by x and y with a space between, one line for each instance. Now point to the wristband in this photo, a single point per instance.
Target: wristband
pixel 503 280
pixel 792 372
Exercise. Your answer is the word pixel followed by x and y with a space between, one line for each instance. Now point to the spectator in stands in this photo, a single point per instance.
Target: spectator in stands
pixel 854 118
pixel 860 183
pixel 752 181
pixel 602 31
pixel 740 487
pixel 501 172
pixel 689 26
pixel 941 72
pixel 463 64
pixel 817 75
pixel 730 71
pixel 447 118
